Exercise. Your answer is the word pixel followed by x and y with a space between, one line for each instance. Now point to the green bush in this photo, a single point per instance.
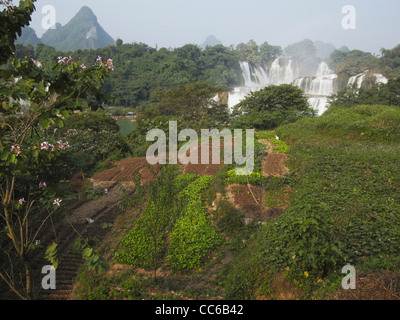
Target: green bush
pixel 254 178
pixel 183 180
pixel 137 247
pixel 280 146
pixel 144 245
pixel 193 238
pixel 271 107
pixel 304 239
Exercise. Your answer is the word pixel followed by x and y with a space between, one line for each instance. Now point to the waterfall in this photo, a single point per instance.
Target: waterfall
pixel 379 78
pixel 319 104
pixel 323 84
pixel 359 79
pixel 254 77
pixel 282 71
pixel 286 71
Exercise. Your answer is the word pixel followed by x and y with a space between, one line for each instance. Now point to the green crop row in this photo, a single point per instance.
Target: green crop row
pixel 184 222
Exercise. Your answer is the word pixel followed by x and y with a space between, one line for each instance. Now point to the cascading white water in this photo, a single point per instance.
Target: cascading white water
pixel 286 71
pixel 323 84
pixel 282 71
pixel 359 79
pixel 319 104
pixel 379 78
pixel 254 77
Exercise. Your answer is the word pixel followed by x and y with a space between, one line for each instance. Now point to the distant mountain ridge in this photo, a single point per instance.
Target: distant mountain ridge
pixel 28 36
pixel 83 31
pixel 211 41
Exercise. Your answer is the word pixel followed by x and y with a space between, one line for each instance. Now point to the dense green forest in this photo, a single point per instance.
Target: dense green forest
pixel 142 71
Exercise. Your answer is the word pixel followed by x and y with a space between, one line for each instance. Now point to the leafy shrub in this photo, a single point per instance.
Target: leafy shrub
pixel 137 248
pixel 280 146
pixel 183 180
pixel 193 236
pixel 254 178
pixel 181 216
pixel 271 107
pixel 192 239
pixel 95 141
pixel 304 240
pixel 193 192
pixel 144 245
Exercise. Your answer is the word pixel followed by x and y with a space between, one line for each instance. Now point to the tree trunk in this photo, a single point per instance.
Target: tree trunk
pixel 28 278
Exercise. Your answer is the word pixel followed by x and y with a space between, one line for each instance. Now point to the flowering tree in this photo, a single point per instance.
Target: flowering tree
pixel 32 99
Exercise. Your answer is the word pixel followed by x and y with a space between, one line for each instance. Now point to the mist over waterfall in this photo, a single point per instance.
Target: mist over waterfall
pixel 284 70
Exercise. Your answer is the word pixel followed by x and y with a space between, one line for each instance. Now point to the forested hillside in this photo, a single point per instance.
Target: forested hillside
pixel 141 71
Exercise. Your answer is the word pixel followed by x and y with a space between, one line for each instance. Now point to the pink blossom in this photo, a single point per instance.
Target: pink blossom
pixel 110 64
pixel 42 185
pixel 16 149
pixel 37 63
pixel 61 145
pixel 57 202
pixel 21 201
pixel 65 60
pixel 44 146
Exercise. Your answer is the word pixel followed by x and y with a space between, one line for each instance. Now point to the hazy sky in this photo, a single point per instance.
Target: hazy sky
pixel 173 23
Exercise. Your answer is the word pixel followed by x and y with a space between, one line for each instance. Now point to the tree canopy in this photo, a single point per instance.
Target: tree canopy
pixel 272 106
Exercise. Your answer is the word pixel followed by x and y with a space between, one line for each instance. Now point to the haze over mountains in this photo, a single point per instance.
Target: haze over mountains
pixel 83 31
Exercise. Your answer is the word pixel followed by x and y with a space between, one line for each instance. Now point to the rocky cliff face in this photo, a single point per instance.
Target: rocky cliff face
pixel 82 32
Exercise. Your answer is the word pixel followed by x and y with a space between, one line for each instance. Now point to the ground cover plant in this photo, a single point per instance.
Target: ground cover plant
pixel 177 212
pixel 346 205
